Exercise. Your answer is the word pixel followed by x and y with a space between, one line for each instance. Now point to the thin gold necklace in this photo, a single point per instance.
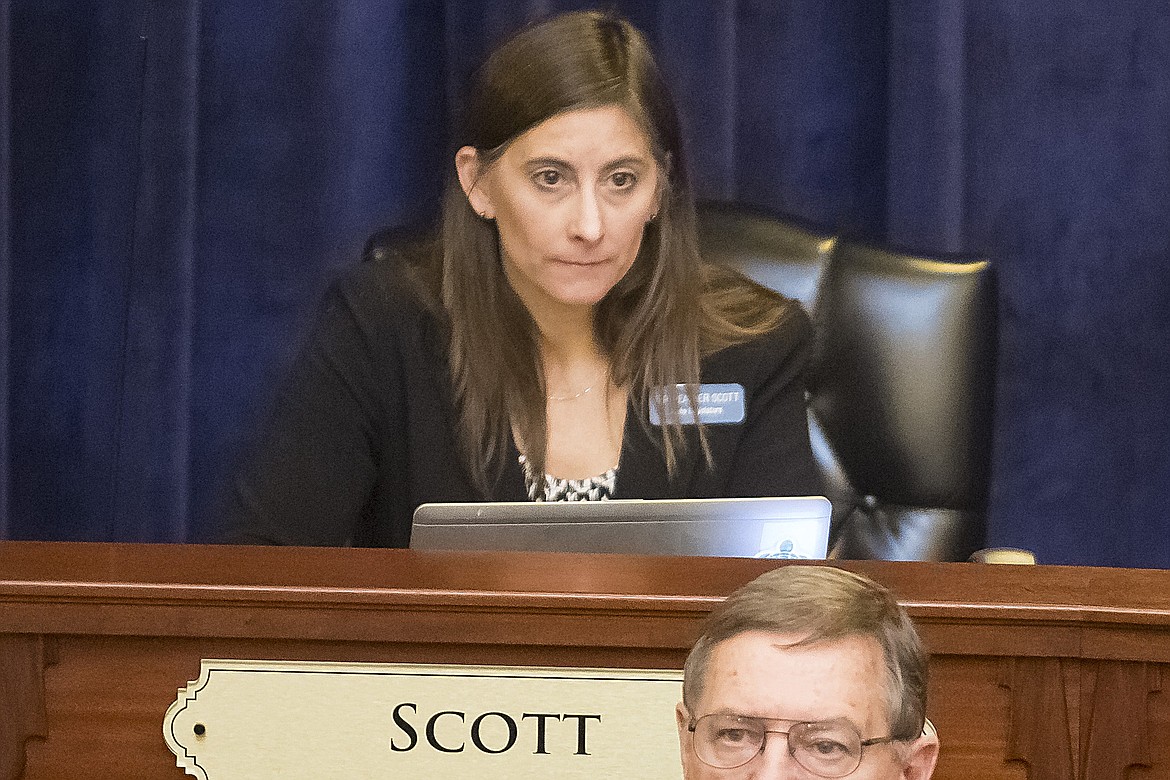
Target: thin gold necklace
pixel 574 396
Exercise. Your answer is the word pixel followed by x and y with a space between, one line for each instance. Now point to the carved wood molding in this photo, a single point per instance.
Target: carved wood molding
pixel 23 659
pixel 1095 721
pixel 1037 685
pixel 1115 729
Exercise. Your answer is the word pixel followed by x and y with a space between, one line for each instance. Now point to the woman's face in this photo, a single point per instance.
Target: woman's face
pixel 571 198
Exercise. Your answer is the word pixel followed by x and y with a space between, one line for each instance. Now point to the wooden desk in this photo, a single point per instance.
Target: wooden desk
pixel 1049 673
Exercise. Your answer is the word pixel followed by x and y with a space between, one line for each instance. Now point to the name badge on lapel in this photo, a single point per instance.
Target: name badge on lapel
pixel 718 405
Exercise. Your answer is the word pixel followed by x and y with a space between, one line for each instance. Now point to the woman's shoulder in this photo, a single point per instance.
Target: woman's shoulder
pixel 390 286
pixel 790 334
pixel 743 315
pixel 776 357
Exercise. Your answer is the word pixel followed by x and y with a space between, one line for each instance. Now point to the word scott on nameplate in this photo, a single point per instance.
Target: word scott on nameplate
pixel 317 720
pixel 490 732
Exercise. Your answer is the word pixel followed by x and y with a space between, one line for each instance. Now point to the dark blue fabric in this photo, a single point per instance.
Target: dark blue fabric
pixel 76 92
pixel 1040 136
pixel 318 124
pixel 182 179
pixel 5 261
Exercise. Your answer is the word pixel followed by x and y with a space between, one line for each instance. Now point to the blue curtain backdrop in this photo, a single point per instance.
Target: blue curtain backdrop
pixel 179 180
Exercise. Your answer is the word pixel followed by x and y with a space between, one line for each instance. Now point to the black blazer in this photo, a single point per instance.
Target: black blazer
pixel 363 430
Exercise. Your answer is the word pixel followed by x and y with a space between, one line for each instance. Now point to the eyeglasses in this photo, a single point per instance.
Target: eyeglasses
pixel 826 748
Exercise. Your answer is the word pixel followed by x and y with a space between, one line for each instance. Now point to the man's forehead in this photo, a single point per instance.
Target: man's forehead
pixel 784 676
pixel 861 646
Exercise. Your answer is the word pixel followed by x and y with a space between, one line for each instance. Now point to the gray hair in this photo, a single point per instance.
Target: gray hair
pixel 823 604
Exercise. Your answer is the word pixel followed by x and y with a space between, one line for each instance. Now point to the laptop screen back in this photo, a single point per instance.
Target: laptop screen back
pixel 737 527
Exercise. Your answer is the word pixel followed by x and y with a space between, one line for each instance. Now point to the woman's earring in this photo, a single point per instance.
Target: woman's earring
pixel 653 217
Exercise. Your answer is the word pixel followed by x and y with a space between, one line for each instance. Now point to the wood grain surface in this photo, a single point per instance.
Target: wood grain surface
pixel 1037 672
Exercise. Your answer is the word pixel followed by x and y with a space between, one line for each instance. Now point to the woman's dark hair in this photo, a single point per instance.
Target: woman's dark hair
pixel 655 324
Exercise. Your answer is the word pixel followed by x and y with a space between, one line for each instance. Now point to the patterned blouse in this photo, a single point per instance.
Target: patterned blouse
pixel 598 488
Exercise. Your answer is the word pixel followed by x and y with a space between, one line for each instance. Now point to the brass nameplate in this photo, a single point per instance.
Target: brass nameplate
pixel 246 720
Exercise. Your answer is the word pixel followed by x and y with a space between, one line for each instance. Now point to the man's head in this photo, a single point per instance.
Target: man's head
pixel 821 655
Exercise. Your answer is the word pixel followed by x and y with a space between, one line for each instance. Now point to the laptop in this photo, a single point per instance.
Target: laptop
pixel 792 528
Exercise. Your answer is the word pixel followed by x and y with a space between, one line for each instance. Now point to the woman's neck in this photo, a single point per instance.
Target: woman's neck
pixel 566 332
pixel 569 352
pixel 568 339
pixel 573 362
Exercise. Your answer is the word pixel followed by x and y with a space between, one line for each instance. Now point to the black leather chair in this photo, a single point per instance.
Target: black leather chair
pixel 901 382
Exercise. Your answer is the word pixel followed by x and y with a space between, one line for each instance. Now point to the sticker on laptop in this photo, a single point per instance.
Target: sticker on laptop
pixel 719 404
pixel 791 541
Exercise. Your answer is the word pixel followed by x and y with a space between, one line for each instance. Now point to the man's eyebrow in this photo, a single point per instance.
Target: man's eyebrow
pixel 824 721
pixel 746 716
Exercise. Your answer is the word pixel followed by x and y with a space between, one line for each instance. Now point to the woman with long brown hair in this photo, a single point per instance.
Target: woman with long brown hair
pixel 561 339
